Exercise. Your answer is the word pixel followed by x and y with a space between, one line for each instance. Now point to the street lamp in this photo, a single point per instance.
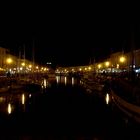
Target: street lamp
pixel 122 59
pixel 99 66
pixel 9 62
pixel 107 63
pixel 23 64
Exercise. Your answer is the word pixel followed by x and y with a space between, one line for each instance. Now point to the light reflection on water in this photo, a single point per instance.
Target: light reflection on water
pixel 57 79
pixel 66 80
pixel 72 80
pixel 10 103
pixel 9 109
pixel 15 101
pixel 45 84
pixel 107 98
pixel 23 99
pixel 30 95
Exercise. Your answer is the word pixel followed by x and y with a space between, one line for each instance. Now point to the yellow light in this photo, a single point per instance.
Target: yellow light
pixel 89 68
pixel 45 69
pixel 9 109
pixel 65 70
pixel 107 98
pixel 36 67
pixel 85 68
pixel 9 60
pixel 23 64
pixel 57 79
pixel 72 80
pixel 45 83
pixel 122 59
pixel 80 69
pixel 117 66
pixel 23 99
pixel 65 80
pixel 30 66
pixel 107 63
pixel 99 66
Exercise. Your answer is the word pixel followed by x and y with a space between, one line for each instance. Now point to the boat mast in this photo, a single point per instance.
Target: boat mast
pixel 33 55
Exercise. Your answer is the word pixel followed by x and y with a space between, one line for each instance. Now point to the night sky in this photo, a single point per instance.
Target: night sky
pixel 68 37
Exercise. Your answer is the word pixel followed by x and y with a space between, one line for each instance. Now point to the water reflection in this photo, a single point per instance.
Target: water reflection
pixel 72 80
pixel 15 102
pixel 23 99
pixel 107 98
pixel 57 79
pixel 30 95
pixel 65 80
pixel 9 109
pixel 45 83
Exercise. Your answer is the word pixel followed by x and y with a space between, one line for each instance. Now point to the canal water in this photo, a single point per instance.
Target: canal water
pixel 63 109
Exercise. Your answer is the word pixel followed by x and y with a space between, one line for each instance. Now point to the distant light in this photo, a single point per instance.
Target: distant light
pixel 23 64
pixel 49 63
pixel 99 66
pixel 89 68
pixel 107 63
pixel 122 59
pixel 30 95
pixel 9 60
pixel 134 66
pixel 117 66
pixel 30 66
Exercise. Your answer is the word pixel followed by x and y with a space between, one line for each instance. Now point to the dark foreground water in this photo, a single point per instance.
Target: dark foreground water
pixel 63 110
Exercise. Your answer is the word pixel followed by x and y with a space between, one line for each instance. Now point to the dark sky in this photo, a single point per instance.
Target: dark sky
pixel 68 37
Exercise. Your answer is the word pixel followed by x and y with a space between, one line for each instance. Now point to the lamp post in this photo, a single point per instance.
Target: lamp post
pixel 9 62
pixel 122 60
pixel 99 67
